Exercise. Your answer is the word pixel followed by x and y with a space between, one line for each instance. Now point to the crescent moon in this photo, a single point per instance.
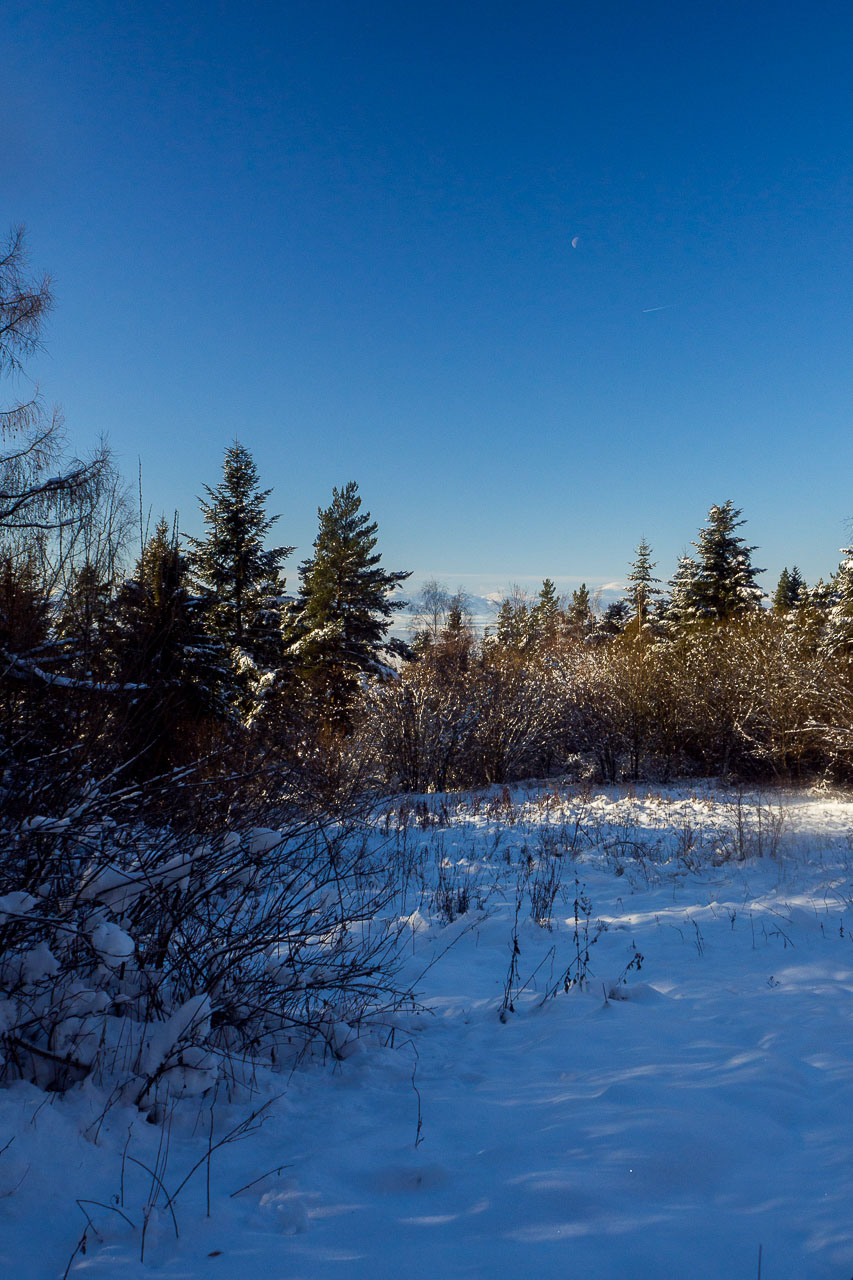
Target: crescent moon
pixel 575 240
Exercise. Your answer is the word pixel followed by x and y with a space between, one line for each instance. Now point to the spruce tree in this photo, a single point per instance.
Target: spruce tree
pixel 838 638
pixel 546 613
pixel 515 622
pixel 459 621
pixel 579 617
pixel 81 615
pixel 234 567
pixel 724 586
pixel 790 591
pixel 340 620
pixel 680 609
pixel 171 671
pixel 642 583
pixel 615 618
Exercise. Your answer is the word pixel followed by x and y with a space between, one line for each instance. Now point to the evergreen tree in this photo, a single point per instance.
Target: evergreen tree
pixel 680 608
pixel 340 620
pixel 615 618
pixel 838 639
pixel 170 669
pixel 724 586
pixel 790 591
pixel 81 616
pixel 515 623
pixel 781 596
pixel 459 622
pixel 642 582
pixel 812 616
pixel 579 617
pixel 546 613
pixel 797 588
pixel 232 565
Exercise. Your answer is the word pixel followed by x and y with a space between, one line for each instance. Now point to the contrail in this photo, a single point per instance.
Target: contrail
pixel 666 307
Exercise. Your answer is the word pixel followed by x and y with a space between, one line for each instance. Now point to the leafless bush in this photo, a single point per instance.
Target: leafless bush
pixel 159 960
pixel 421 726
pixel 754 828
pixel 750 699
pixel 545 883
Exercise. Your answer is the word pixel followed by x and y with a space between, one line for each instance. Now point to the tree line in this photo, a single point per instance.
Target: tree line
pixel 700 678
pixel 196 656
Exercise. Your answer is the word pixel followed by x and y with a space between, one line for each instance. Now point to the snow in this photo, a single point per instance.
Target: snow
pixel 112 944
pixel 16 904
pixel 685 1103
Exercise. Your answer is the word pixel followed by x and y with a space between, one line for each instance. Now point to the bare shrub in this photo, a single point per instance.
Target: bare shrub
pixel 159 960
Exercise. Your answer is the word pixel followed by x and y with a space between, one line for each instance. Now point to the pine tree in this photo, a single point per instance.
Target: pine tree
pixel 340 620
pixel 233 566
pixel 724 585
pixel 642 581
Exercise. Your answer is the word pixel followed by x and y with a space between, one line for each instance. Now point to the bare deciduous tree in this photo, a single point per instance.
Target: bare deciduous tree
pixel 37 494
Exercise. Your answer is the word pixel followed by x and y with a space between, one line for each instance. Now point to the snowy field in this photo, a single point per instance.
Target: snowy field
pixel 633 1057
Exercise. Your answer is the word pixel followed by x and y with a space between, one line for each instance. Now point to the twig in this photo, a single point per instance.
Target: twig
pixel 110 1207
pixel 418 1134
pixel 159 1181
pixel 260 1178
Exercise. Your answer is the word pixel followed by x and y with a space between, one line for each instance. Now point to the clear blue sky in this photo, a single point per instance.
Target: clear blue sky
pixel 343 231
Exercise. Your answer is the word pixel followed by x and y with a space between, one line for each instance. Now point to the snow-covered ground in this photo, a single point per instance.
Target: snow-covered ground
pixel 685 1102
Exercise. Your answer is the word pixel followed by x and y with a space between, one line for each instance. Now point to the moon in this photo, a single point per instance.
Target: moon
pixel 575 240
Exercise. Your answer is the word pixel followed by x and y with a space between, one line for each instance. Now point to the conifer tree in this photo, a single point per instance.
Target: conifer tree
pixel 724 586
pixel 797 588
pixel 171 671
pixel 459 620
pixel 811 618
pixel 579 616
pixel 546 613
pixel 232 564
pixel 790 591
pixel 680 608
pixel 515 623
pixel 341 617
pixel 615 618
pixel 838 638
pixel 81 616
pixel 642 582
pixel 781 596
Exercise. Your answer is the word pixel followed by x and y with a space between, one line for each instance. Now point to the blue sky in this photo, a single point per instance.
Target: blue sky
pixel 343 232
